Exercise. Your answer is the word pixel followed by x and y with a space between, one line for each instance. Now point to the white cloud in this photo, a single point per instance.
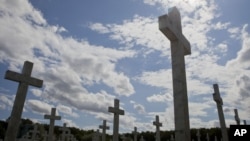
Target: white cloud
pixel 66 110
pixel 38 107
pixel 160 97
pixel 138 107
pixel 140 31
pixel 65 64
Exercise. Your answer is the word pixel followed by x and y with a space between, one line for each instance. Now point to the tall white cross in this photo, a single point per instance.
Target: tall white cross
pixel 104 127
pixel 170 26
pixel 116 112
pixel 24 80
pixel 52 119
pixel 158 125
pixel 135 133
pixel 219 102
pixel 236 117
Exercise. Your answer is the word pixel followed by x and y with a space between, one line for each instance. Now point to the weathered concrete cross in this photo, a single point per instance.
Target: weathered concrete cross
pixel 34 132
pixel 170 26
pixel 135 133
pixel 244 122
pixel 158 125
pixel 116 112
pixel 236 117
pixel 198 135
pixel 65 131
pixel 104 127
pixel 24 80
pixel 52 119
pixel 207 137
pixel 219 102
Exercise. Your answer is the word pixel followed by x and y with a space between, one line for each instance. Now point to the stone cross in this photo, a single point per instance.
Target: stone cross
pixel 116 112
pixel 172 138
pixel 65 131
pixel 34 132
pixel 245 122
pixel 45 136
pixel 215 138
pixel 96 136
pixel 142 139
pixel 24 80
pixel 198 135
pixel 104 127
pixel 207 137
pixel 170 26
pixel 236 117
pixel 135 133
pixel 52 119
pixel 219 103
pixel 157 124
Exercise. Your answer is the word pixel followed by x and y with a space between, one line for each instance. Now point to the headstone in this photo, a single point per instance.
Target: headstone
pixel 116 112
pixel 198 135
pixel 96 136
pixel 219 103
pixel 104 127
pixel 215 138
pixel 236 117
pixel 142 139
pixel 45 136
pixel 52 119
pixel 245 122
pixel 172 138
pixel 158 125
pixel 34 133
pixel 170 26
pixel 135 133
pixel 65 132
pixel 207 137
pixel 24 80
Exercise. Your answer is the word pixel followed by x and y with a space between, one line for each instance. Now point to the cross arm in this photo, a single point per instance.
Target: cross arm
pixel 216 95
pixel 172 33
pixel 104 127
pixel 157 123
pixel 10 75
pixel 116 111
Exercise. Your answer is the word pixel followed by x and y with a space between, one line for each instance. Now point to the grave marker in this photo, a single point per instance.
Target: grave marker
pixel 198 135
pixel 116 112
pixel 104 127
pixel 135 133
pixel 219 103
pixel 52 119
pixel 236 117
pixel 170 26
pixel 158 125
pixel 24 80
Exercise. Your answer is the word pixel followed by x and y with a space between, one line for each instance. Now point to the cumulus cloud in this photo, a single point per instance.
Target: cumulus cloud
pixel 65 64
pixel 38 106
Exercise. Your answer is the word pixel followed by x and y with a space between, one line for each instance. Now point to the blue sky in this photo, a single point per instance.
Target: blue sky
pixel 90 52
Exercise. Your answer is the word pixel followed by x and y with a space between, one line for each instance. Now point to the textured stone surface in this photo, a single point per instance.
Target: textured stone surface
pixel 116 112
pixel 158 125
pixel 135 133
pixel 170 26
pixel 236 117
pixel 52 119
pixel 24 80
pixel 219 103
pixel 104 127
